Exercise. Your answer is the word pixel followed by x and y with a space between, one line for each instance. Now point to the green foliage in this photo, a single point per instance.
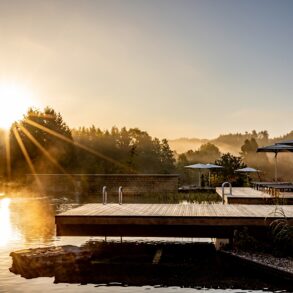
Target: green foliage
pixel 205 154
pixel 249 147
pixel 132 148
pixel 231 163
pixel 58 149
pixel 251 157
pixel 282 233
pixel 237 139
pixel 114 151
pixel 280 243
pixel 242 240
pixel 165 197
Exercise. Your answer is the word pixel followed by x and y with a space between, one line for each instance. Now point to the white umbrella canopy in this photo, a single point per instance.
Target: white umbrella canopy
pixel 276 148
pixel 203 166
pixel 248 170
pixel 198 166
pixel 213 166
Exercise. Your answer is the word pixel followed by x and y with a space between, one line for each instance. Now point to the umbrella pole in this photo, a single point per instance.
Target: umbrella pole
pixel 209 178
pixel 276 167
pixel 199 179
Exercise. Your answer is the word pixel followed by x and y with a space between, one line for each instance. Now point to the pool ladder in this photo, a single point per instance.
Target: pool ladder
pixel 105 194
pixel 223 190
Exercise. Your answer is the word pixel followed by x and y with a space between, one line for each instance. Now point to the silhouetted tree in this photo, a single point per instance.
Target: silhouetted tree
pixel 207 153
pixel 46 122
pixel 231 163
pixel 133 150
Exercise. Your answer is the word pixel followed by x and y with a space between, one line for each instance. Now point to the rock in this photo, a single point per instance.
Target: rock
pixel 42 262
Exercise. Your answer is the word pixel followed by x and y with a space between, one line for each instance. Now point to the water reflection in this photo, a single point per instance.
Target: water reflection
pixel 34 218
pixel 168 264
pixel 29 222
pixel 7 232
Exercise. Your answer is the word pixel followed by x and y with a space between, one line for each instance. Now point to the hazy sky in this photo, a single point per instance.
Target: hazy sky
pixel 173 68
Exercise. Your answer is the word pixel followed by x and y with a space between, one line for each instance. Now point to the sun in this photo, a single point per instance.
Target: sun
pixel 14 103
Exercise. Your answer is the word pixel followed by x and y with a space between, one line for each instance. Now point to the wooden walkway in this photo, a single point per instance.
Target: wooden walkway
pixel 176 220
pixel 247 195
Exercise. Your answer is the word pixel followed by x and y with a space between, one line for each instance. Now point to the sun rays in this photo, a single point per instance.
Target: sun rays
pixel 79 145
pixel 20 130
pixel 26 156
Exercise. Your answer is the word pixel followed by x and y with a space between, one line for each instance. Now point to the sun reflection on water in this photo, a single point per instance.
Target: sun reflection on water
pixel 7 233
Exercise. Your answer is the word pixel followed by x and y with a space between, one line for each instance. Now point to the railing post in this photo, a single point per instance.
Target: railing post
pixel 120 195
pixel 105 195
pixel 223 190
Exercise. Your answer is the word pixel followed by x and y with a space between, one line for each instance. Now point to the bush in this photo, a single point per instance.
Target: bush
pixel 282 233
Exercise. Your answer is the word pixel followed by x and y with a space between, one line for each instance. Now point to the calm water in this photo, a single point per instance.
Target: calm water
pixel 28 222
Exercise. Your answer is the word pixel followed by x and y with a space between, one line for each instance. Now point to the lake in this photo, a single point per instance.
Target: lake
pixel 27 221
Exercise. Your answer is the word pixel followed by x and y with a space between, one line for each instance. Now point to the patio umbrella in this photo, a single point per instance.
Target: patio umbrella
pixel 248 170
pixel 286 142
pixel 212 166
pixel 198 166
pixel 276 148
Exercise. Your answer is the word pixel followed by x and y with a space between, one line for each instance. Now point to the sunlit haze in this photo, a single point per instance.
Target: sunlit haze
pixel 15 101
pixel 172 68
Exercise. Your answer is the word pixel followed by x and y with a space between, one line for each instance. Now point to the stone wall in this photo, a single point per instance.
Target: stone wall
pixel 93 183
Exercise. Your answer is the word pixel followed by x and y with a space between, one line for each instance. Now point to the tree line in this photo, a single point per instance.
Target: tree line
pixel 44 142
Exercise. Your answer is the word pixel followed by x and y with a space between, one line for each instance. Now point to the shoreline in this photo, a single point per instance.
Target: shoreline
pixel 278 266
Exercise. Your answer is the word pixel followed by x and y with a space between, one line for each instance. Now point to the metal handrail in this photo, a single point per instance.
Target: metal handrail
pixel 105 195
pixel 223 190
pixel 120 194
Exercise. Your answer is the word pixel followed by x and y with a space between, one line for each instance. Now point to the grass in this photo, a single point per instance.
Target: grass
pixel 162 197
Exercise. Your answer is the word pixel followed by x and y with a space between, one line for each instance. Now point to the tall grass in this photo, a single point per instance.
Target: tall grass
pixel 163 197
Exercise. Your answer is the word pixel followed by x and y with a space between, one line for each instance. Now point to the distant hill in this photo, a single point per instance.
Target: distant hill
pixel 231 142
pixel 182 145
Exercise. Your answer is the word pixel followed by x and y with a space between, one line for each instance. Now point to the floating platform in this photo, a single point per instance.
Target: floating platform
pixel 247 195
pixel 167 220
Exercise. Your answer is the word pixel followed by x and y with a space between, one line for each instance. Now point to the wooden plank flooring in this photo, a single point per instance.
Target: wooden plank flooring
pixel 181 220
pixel 247 195
pixel 175 210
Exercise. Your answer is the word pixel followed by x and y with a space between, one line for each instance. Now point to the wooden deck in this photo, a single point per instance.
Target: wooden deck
pixel 163 220
pixel 247 195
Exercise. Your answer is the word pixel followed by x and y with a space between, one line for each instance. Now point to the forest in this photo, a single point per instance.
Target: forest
pixel 42 142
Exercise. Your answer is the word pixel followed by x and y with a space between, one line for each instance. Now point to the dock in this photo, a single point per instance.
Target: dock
pixel 247 195
pixel 167 220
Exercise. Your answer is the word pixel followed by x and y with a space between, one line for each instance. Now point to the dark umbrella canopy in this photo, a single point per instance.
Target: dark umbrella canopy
pixel 286 142
pixel 276 148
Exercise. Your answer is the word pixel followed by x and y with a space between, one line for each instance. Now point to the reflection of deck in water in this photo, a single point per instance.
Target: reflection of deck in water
pixel 247 195
pixel 174 220
pixel 147 263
